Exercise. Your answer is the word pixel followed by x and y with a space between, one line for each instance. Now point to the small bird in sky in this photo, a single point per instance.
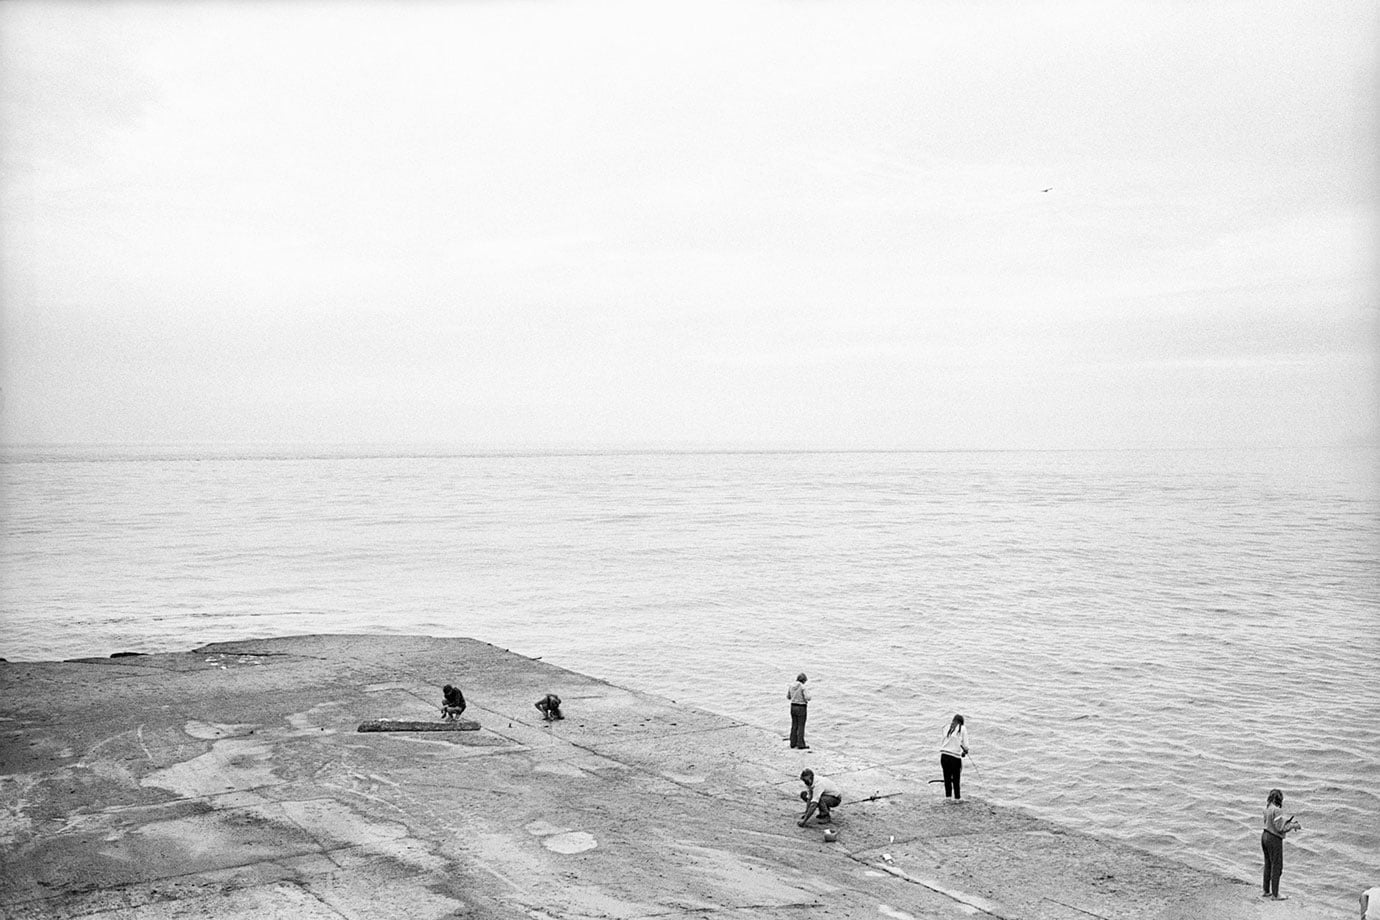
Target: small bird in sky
pixel 1050 189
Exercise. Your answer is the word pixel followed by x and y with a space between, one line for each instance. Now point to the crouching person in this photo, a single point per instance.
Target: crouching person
pixel 550 707
pixel 452 703
pixel 820 796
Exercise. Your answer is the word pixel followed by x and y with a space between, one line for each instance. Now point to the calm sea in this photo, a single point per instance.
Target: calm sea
pixel 1143 642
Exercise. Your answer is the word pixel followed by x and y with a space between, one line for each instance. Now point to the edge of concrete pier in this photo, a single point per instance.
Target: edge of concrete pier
pixel 230 781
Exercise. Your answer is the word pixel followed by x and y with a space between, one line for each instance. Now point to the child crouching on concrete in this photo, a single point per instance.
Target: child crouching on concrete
pixel 550 707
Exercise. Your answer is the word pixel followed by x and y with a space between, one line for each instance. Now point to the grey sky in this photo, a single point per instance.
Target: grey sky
pixel 748 224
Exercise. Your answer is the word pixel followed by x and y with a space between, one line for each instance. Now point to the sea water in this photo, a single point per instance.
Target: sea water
pixel 1143 643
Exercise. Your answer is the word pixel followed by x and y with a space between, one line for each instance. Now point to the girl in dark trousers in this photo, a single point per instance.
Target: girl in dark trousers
pixel 951 753
pixel 1272 842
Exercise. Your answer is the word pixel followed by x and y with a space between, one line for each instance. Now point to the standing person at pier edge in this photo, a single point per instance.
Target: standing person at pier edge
pixel 800 701
pixel 951 753
pixel 1272 842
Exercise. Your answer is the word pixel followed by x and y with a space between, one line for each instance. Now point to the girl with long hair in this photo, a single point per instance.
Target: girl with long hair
pixel 952 750
pixel 1272 842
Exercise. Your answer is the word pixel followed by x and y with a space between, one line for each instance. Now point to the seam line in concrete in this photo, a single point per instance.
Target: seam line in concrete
pixel 316 897
pixel 310 836
pixel 276 861
pixel 676 734
pixel 1071 907
pixel 976 903
pixel 704 911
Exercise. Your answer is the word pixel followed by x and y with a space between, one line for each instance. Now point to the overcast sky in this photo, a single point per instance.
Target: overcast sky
pixel 502 225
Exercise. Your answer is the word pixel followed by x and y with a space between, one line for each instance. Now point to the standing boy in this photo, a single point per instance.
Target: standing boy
pixel 800 699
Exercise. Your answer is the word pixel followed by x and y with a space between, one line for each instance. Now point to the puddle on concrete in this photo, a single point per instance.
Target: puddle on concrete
pixel 570 842
pixel 560 839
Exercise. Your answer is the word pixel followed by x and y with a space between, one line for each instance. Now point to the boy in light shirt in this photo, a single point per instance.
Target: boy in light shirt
pixel 820 795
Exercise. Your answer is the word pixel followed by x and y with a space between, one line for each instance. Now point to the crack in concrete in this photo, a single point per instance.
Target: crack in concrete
pixel 310 835
pixel 298 883
pixel 726 909
pixel 200 873
pixel 978 904
pixel 1071 907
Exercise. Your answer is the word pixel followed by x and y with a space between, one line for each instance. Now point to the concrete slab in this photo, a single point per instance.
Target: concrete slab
pixel 230 781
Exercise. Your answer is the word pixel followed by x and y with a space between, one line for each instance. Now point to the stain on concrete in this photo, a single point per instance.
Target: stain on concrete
pixel 231 764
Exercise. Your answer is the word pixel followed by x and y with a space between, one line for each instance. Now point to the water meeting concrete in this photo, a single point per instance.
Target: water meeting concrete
pixel 231 781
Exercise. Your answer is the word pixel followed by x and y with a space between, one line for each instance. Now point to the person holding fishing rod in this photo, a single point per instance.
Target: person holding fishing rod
pixel 952 750
pixel 1272 842
pixel 800 702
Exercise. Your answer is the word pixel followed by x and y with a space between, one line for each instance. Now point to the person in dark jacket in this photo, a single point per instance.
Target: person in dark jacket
pixel 452 703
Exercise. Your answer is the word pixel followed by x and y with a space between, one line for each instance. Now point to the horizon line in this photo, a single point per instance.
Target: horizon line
pixel 383 450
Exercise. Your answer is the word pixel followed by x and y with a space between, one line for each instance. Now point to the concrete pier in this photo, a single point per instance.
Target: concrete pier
pixel 230 781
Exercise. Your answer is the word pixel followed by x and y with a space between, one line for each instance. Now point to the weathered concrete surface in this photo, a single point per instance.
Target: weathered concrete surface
pixel 231 782
pixel 393 725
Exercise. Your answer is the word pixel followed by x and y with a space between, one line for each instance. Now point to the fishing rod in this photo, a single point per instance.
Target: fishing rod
pixel 970 760
pixel 873 798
